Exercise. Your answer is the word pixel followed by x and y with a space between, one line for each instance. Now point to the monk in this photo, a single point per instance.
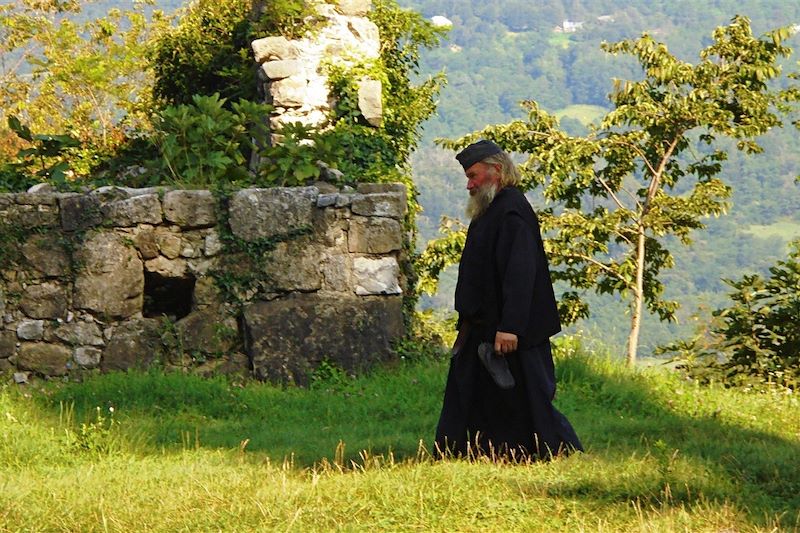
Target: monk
pixel 501 382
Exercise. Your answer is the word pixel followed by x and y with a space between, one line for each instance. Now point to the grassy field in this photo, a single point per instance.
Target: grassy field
pixel 150 452
pixel 787 230
pixel 584 113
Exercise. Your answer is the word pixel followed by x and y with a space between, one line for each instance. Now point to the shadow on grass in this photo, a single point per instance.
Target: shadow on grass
pixel 678 450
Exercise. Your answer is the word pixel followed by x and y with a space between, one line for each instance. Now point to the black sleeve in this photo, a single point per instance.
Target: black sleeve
pixel 516 263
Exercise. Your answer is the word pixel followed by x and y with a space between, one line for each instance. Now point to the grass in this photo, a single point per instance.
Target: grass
pixel 584 113
pixel 182 454
pixel 787 230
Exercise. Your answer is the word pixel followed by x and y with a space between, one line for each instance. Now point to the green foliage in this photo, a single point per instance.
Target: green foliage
pixel 439 254
pixel 207 143
pixel 46 159
pixel 621 189
pixel 94 437
pixel 756 339
pixel 86 81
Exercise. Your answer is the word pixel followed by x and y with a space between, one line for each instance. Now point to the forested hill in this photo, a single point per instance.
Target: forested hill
pixel 499 53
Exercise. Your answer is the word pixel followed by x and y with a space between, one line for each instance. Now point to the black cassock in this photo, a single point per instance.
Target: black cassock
pixel 504 285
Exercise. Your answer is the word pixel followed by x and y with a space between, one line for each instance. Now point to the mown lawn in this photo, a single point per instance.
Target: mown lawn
pixel 185 454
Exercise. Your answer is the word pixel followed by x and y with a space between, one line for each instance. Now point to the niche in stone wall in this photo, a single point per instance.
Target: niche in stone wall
pixel 165 295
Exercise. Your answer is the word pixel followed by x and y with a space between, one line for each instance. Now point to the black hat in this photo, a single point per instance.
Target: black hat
pixel 476 152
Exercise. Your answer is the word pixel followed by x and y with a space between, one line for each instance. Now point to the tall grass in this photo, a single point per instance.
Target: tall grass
pixel 178 453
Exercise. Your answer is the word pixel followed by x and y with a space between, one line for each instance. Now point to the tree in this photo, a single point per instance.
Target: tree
pixel 651 168
pixel 756 339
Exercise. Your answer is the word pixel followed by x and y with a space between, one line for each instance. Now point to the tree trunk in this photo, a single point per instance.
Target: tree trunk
pixel 638 299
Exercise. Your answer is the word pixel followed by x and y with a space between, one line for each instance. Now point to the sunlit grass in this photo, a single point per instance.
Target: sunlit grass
pixel 787 230
pixel 185 454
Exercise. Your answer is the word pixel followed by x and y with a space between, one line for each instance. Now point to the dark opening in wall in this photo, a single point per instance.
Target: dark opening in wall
pixel 167 296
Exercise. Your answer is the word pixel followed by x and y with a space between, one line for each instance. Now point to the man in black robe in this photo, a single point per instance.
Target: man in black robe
pixel 501 403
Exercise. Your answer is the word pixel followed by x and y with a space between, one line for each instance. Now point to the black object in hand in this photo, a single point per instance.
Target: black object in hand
pixel 497 366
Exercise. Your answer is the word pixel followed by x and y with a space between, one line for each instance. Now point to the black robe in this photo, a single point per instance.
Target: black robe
pixel 504 285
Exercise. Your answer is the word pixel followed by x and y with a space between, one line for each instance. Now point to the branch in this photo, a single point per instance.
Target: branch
pixel 610 271
pixel 655 182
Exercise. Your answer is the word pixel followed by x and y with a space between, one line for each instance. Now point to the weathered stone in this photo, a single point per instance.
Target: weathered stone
pixel 168 268
pixel 30 330
pixel 110 193
pixel 206 293
pixel 289 337
pixel 8 344
pixel 337 273
pixel 212 245
pixel 265 213
pixel 380 205
pixel 325 187
pixel 270 48
pixel 144 209
pixel 21 378
pixel 366 36
pixel 88 356
pixel 80 333
pixel 190 209
pixel 327 200
pixel 42 188
pixel 46 359
pixel 79 212
pixel 294 266
pixel 370 102
pixel 169 244
pixel 353 8
pixel 6 367
pixel 145 242
pixel 30 210
pixel 344 200
pixel 373 188
pixel 290 92
pixel 134 344
pixel 209 330
pixel 374 235
pixel 48 300
pixel 279 69
pixel 390 204
pixel 47 255
pixel 330 229
pixel 376 276
pixel 235 364
pixel 111 279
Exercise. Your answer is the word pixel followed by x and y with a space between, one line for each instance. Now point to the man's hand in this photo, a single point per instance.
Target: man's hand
pixel 505 343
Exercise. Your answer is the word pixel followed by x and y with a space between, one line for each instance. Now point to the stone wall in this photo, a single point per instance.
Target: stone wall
pixel 293 74
pixel 266 281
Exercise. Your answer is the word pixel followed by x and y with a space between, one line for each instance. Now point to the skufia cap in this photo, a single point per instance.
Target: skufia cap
pixel 477 152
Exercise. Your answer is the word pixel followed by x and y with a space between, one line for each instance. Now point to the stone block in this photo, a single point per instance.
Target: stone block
pixel 30 330
pixel 373 188
pixel 376 276
pixel 370 102
pixel 289 337
pixel 110 281
pixel 388 204
pixel 294 266
pixel 145 209
pixel 30 210
pixel 353 8
pixel 374 235
pixel 290 92
pixel 135 344
pixel 80 333
pixel 48 300
pixel 212 245
pixel 209 330
pixel 337 273
pixel 47 255
pixel 168 268
pixel 79 212
pixel 145 242
pixel 190 209
pixel 235 364
pixel 45 359
pixel 266 213
pixel 279 69
pixel 88 356
pixel 8 344
pixel 270 48
pixel 169 244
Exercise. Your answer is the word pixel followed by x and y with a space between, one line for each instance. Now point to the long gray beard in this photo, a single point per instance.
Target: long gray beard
pixel 478 203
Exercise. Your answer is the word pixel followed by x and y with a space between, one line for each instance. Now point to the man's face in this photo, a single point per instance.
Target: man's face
pixel 481 175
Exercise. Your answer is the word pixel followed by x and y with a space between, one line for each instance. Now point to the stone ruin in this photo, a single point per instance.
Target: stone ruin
pixel 268 281
pixel 292 72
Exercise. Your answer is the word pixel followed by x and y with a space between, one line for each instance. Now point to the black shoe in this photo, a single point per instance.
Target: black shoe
pixel 497 366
